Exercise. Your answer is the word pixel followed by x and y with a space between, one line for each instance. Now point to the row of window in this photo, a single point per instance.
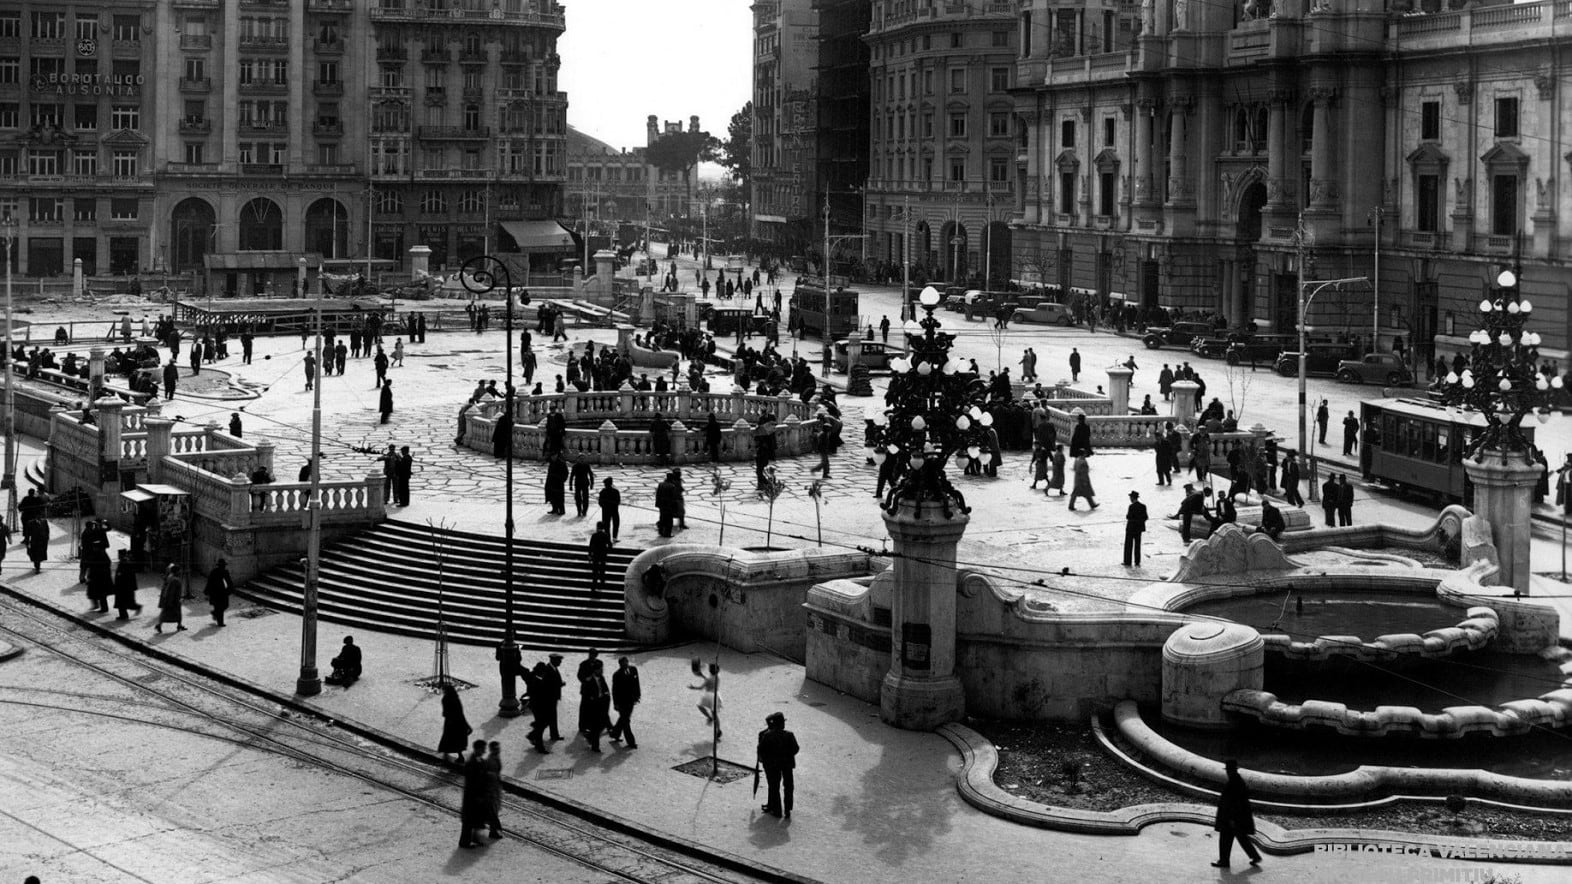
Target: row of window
pixel 541 79
pixel 605 173
pixel 392 156
pixel 893 86
pixel 921 168
pixel 52 26
pixel 43 161
pixel 85 116
pixel 1505 122
pixel 998 39
pixel 125 70
pixel 52 210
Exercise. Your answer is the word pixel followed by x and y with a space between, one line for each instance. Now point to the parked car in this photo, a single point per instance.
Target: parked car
pixel 956 298
pixel 1259 349
pixel 875 354
pixel 1047 312
pixel 1212 346
pixel 1320 359
pixel 1375 368
pixel 1179 335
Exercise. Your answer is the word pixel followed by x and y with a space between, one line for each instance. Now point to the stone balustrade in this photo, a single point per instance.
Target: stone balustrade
pixel 1472 634
pixel 1549 710
pixel 622 436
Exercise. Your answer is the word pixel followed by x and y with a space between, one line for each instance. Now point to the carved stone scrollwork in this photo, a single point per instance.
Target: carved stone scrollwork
pixel 1281 95
pixel 1277 190
pixel 1545 82
pixel 1465 192
pixel 1182 104
pixel 1147 105
pixel 1125 111
pixel 1181 188
pixel 1323 95
pixel 1464 87
pixel 1323 191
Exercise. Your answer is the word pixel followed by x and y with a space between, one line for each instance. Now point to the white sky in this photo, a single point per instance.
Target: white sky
pixel 623 60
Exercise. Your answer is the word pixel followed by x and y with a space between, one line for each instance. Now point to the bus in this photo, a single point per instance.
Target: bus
pixel 1418 445
pixel 831 315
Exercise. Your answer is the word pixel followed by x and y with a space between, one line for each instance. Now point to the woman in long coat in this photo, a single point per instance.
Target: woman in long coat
pixel 217 590
pixel 1083 483
pixel 100 578
pixel 455 727
pixel 169 601
pixel 35 534
pixel 1056 481
pixel 125 586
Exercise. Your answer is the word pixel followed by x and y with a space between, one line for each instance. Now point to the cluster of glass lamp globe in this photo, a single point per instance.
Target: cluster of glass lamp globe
pixel 1505 313
pixel 935 348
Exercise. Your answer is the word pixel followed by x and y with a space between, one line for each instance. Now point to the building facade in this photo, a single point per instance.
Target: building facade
pixel 184 135
pixel 785 173
pixel 605 184
pixel 842 121
pixel 1234 150
pixel 941 183
pixel 78 100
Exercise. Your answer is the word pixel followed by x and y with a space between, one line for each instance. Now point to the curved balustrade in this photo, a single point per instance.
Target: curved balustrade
pixel 1553 710
pixel 1472 634
pixel 621 418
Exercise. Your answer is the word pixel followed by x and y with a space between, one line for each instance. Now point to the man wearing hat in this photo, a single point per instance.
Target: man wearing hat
pixel 1134 527
pixel 549 679
pixel 777 754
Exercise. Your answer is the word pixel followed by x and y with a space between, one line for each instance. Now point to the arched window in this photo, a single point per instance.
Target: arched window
pixel 261 226
pixel 191 228
pixel 432 202
pixel 327 228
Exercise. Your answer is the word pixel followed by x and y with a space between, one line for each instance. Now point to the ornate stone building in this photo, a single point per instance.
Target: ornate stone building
pixel 611 183
pixel 785 34
pixel 237 136
pixel 941 179
pixel 1188 169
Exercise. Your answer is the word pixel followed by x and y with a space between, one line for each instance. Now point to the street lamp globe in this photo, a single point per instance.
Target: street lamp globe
pixel 1506 279
pixel 929 297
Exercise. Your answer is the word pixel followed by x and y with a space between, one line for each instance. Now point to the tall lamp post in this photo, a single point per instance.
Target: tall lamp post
pixel 481 275
pixel 1304 406
pixel 8 229
pixel 309 684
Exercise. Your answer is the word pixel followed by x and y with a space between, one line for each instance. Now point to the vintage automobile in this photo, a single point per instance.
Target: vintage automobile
pixel 1260 349
pixel 1179 335
pixel 1320 359
pixel 875 354
pixel 1047 312
pixel 1375 368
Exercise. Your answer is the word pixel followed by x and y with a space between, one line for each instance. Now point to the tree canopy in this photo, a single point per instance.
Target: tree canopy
pixel 679 151
pixel 736 152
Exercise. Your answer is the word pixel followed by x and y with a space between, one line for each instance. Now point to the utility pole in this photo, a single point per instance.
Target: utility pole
pixel 8 229
pixel 309 683
pixel 1375 324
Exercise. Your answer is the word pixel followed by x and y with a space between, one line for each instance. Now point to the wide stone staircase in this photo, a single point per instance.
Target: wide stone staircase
pixel 406 578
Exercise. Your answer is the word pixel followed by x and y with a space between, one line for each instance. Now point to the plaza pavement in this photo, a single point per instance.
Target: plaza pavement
pixel 874 803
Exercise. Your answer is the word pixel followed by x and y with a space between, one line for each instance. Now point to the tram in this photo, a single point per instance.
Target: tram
pixel 829 315
pixel 1418 445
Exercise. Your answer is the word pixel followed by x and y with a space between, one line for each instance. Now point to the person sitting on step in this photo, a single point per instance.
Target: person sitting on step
pixel 346 666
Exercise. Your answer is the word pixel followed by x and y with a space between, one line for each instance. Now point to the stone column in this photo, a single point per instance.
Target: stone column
pixel 608 442
pixel 1184 403
pixel 1503 496
pixel 159 431
pixel 419 261
pixel 921 690
pixel 1323 156
pixel 1181 190
pixel 679 441
pixel 1145 154
pixel 1119 390
pixel 853 350
pixel 265 454
pixel 95 374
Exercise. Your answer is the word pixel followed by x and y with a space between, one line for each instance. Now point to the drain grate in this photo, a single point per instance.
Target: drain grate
pixel 554 773
pixel 434 684
pixel 706 768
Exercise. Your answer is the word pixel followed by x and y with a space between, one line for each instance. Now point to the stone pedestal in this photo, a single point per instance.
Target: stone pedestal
pixel 921 690
pixel 1503 496
pixel 419 261
pixel 1119 390
pixel 1184 403
pixel 1205 662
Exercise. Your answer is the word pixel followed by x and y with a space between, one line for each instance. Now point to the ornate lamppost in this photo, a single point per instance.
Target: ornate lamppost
pixel 482 275
pixel 1503 385
pixel 934 412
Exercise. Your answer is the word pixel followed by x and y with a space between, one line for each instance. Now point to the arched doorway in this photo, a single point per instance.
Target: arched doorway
pixel 996 254
pixel 261 226
pixel 1250 205
pixel 327 229
pixel 954 241
pixel 192 225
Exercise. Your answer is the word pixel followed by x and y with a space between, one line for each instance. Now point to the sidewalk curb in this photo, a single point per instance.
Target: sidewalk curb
pixel 979 760
pixel 577 809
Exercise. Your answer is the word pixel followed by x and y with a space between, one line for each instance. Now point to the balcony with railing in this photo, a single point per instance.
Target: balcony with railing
pixel 196 125
pixel 326 88
pixel 261 168
pixel 196 41
pixel 196 84
pixel 329 47
pixel 196 4
pixel 384 93
pixel 1480 26
pixel 263 87
pixel 263 127
pixel 327 128
pixel 392 53
pixel 432 55
pixel 263 43
pixel 330 5
pixel 418 12
pixel 452 133
pixel 336 169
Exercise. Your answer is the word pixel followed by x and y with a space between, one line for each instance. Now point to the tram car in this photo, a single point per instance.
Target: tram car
pixel 1417 445
pixel 829 315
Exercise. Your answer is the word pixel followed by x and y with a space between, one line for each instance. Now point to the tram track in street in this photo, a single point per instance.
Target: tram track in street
pixel 233 712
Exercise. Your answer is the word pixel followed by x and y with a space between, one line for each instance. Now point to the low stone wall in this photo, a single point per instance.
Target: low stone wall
pixel 622 436
pixel 749 601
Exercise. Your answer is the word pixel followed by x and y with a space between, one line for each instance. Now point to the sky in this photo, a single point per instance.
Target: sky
pixel 623 60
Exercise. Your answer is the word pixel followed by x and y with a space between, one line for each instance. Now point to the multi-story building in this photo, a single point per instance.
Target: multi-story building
pixel 239 136
pixel 841 116
pixel 941 183
pixel 670 192
pixel 1236 150
pixel 605 184
pixel 785 51
pixel 77 101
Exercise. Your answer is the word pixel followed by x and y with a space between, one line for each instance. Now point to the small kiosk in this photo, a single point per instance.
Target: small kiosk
pixel 160 517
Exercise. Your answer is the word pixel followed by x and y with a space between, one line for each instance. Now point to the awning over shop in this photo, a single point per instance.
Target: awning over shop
pixel 261 260
pixel 539 236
